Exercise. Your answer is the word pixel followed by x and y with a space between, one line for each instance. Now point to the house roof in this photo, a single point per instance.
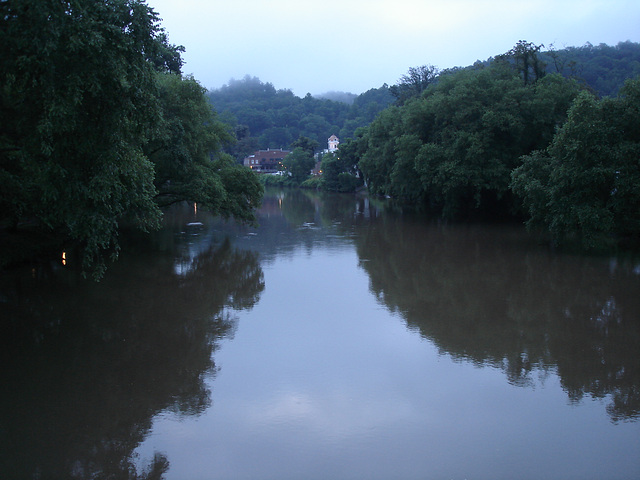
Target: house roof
pixel 270 154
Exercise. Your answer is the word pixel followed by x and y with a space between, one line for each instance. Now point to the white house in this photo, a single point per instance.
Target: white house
pixel 333 143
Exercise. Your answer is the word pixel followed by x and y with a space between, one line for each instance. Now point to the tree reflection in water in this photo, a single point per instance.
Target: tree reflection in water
pixel 479 296
pixel 86 366
pixel 489 295
pixel 492 296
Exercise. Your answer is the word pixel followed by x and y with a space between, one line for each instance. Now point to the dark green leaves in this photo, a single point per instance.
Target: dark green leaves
pixel 81 95
pixel 298 164
pixel 92 130
pixel 584 187
pixel 452 149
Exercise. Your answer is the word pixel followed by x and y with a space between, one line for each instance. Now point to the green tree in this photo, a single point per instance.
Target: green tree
pixel 526 57
pixel 405 180
pixel 93 91
pixel 585 185
pixel 186 152
pixel 413 83
pixel 76 82
pixel 308 145
pixel 352 149
pixel 340 169
pixel 330 172
pixel 377 160
pixel 298 164
pixel 166 57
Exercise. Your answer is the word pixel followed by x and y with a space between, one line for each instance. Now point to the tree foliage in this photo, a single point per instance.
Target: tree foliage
pixel 584 186
pixel 187 154
pixel 308 145
pixel 90 89
pixel 80 92
pixel 340 172
pixel 453 148
pixel 298 164
pixel 413 83
pixel 525 56
pixel 603 68
pixel 271 118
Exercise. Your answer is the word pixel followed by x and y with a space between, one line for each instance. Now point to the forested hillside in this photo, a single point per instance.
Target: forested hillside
pixel 548 136
pixel 508 140
pixel 264 117
pixel 603 68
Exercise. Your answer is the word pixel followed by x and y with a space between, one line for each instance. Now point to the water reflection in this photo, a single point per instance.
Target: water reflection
pixel 295 218
pixel 321 369
pixel 487 296
pixel 85 366
pixel 484 294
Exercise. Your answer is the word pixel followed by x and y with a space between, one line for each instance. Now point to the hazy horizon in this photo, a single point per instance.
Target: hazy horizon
pixel 353 46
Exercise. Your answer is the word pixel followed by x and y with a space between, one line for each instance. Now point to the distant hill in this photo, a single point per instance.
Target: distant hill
pixel 603 68
pixel 265 117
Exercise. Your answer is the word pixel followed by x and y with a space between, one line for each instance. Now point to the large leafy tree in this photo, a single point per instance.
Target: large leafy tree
pixel 378 158
pixel 413 83
pixel 335 177
pixel 186 152
pixel 584 187
pixel 88 90
pixel 525 56
pixel 307 144
pixel 298 164
pixel 77 95
pixel 340 169
pixel 453 147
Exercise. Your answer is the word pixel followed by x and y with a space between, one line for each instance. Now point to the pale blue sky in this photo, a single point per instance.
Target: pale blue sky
pixel 354 45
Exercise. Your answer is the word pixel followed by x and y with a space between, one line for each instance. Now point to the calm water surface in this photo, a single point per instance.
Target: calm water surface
pixel 339 340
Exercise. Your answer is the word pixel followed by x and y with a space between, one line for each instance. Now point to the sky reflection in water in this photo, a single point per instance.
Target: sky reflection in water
pixel 329 375
pixel 338 340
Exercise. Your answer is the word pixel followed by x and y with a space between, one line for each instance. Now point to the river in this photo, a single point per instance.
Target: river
pixel 339 339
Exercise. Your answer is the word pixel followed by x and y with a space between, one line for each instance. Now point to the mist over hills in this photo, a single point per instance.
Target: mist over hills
pixel 266 117
pixel 336 96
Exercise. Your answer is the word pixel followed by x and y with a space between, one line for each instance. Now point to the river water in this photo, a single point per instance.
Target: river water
pixel 340 339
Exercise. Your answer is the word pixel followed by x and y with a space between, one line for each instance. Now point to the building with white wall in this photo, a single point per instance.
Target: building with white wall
pixel 333 143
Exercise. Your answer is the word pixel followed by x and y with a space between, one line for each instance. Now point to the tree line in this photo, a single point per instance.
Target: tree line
pixel 603 68
pixel 100 128
pixel 487 141
pixel 265 117
pixel 508 140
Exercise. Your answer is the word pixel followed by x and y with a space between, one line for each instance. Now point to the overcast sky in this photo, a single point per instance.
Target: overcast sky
pixel 317 46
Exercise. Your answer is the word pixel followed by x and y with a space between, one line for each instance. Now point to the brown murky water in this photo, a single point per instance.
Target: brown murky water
pixel 339 339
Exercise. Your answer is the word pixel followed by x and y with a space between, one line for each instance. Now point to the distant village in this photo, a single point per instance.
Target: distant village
pixel 270 160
